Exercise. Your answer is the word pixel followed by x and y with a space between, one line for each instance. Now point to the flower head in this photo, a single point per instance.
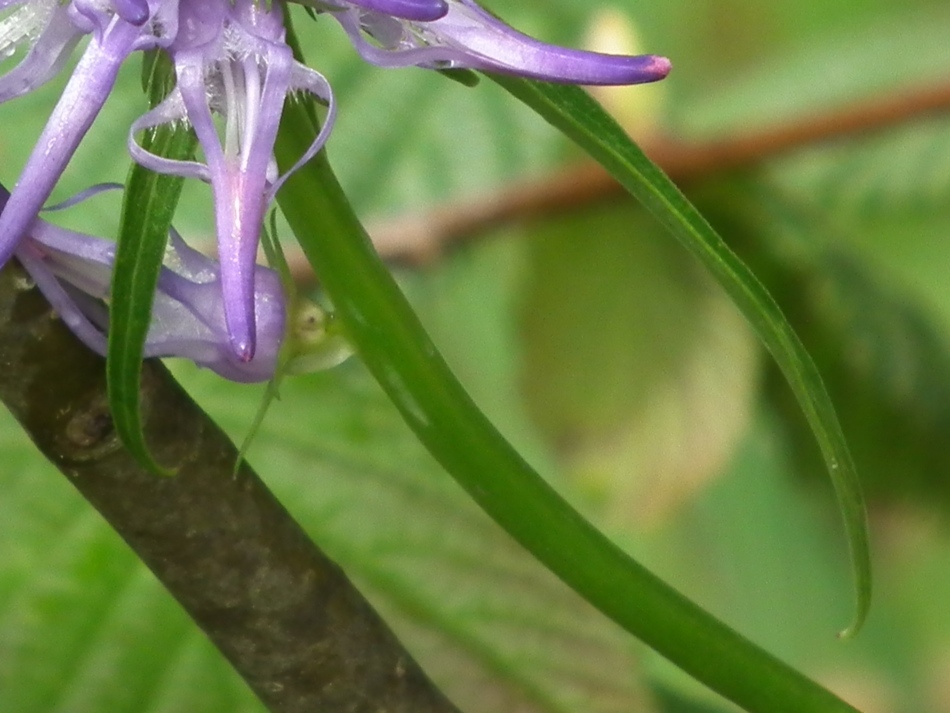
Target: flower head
pixel 231 60
pixel 74 271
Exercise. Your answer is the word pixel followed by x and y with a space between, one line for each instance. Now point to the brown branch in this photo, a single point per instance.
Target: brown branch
pixel 285 616
pixel 419 238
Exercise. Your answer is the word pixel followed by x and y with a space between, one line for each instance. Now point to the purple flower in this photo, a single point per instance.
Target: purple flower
pixel 46 20
pixel 113 38
pixel 74 271
pixel 445 34
pixel 231 60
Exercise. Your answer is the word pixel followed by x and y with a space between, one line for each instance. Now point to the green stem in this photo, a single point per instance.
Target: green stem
pixel 396 349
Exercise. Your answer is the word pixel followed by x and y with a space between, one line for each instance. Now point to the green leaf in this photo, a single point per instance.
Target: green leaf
pixel 465 77
pixel 884 357
pixel 400 355
pixel 571 110
pixel 670 701
pixel 149 204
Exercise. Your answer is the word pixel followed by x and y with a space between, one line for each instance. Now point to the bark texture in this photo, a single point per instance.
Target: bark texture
pixel 284 615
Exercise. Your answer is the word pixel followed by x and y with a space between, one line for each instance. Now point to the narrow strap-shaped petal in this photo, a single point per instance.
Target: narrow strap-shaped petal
pixel 493 45
pixel 32 254
pixel 264 105
pixel 239 179
pixel 172 109
pixel 44 59
pixel 83 196
pixel 80 103
pixel 417 10
pixel 32 258
pixel 308 80
pixel 237 281
pixel 469 37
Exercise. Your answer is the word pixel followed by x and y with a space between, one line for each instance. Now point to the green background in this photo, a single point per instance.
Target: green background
pixel 604 353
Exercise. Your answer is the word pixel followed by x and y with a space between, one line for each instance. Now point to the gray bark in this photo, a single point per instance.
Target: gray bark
pixel 284 615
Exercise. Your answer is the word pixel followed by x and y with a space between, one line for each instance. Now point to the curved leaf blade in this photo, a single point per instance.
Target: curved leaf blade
pixel 572 111
pixel 394 346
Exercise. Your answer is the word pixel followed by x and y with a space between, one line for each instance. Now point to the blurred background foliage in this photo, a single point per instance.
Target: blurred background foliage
pixel 605 354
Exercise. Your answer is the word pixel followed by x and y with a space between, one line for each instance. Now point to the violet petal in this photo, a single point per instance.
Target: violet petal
pixel 418 10
pixel 74 270
pixel 45 58
pixel 469 37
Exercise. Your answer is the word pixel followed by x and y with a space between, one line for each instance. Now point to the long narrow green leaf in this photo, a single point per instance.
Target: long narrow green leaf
pixel 147 210
pixel 403 359
pixel 577 115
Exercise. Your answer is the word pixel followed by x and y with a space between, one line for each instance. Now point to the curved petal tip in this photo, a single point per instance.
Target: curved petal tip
pixel 661 66
pixel 243 348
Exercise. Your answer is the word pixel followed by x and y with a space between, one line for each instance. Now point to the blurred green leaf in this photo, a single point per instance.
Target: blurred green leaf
pixel 499 632
pixel 806 60
pixel 636 364
pixel 741 63
pixel 83 625
pixel 885 362
pixel 493 626
pixel 902 173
